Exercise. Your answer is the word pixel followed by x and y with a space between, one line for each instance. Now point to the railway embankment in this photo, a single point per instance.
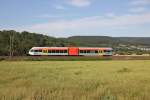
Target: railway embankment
pixel 73 58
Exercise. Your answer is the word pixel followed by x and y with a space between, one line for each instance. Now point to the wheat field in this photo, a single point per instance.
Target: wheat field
pixel 75 80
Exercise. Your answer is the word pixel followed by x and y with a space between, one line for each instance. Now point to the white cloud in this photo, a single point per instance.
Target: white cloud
pixel 138 9
pixel 54 16
pixel 110 14
pixel 140 2
pixel 89 24
pixel 59 7
pixel 80 3
pixel 48 16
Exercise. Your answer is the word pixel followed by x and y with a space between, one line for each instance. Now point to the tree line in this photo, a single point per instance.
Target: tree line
pixel 19 43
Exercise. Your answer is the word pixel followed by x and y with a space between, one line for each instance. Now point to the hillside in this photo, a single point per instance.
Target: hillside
pixel 94 41
pixel 110 41
pixel 136 40
pixel 23 41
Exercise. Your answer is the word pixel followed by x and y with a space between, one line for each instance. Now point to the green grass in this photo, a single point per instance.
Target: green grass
pixel 75 80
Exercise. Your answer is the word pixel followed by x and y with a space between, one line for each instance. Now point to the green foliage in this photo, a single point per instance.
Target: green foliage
pixel 23 41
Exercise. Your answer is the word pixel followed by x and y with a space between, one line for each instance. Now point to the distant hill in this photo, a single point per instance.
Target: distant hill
pixel 135 40
pixel 109 41
pixel 94 40
pixel 23 41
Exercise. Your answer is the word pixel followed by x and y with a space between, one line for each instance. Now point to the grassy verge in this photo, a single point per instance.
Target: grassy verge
pixel 56 58
pixel 72 58
pixel 75 80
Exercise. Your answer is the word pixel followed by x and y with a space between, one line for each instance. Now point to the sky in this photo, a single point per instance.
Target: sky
pixel 63 18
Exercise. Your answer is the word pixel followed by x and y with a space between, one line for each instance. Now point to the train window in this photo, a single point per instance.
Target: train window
pixel 65 51
pixel 96 51
pixel 84 51
pixel 49 51
pixel 35 50
pixel 57 51
pixel 53 51
pixel 32 50
pixel 45 51
pixel 61 51
pixel 110 50
pixel 40 50
pixel 81 51
pixel 88 51
pixel 92 51
pixel 105 50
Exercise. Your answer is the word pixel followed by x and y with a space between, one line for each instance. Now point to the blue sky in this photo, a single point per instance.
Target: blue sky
pixel 62 18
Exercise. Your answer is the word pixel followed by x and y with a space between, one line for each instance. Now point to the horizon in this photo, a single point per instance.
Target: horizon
pixel 66 18
pixel 82 35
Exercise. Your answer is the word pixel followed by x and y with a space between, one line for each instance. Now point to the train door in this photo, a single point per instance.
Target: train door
pixel 101 52
pixel 73 51
pixel 45 51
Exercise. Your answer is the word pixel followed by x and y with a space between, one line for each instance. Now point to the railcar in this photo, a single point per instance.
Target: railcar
pixel 71 51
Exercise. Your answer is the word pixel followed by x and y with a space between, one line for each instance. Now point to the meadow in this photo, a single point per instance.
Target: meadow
pixel 75 80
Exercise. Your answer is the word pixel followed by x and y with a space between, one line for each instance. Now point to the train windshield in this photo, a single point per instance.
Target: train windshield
pixel 35 50
pixel 31 50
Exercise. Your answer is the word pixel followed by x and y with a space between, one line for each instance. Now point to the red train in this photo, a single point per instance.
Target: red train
pixel 71 51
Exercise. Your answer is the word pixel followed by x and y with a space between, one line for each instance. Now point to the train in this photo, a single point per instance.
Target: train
pixel 71 51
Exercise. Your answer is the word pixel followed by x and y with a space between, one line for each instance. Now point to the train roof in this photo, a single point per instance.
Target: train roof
pixel 49 47
pixel 95 48
pixel 82 48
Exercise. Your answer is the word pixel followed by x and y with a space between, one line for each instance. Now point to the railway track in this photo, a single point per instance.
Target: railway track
pixel 73 58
